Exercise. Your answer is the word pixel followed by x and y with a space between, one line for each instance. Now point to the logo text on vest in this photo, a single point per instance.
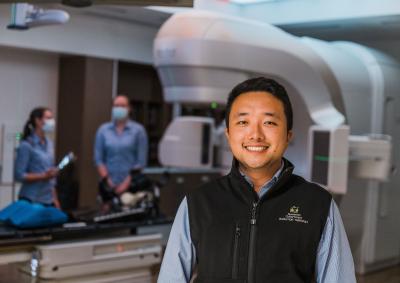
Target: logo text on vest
pixel 293 215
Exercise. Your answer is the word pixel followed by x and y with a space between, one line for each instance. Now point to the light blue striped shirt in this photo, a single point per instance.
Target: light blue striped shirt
pixel 334 262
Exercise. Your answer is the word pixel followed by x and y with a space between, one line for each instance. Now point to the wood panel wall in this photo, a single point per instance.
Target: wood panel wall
pixel 84 103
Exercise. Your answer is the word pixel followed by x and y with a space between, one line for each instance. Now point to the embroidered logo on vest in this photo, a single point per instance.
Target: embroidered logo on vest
pixel 293 215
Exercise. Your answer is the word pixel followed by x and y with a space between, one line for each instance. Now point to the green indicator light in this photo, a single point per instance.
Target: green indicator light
pixel 214 105
pixel 321 158
pixel 18 136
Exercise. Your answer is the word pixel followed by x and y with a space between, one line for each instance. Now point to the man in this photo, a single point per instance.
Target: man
pixel 260 223
pixel 120 147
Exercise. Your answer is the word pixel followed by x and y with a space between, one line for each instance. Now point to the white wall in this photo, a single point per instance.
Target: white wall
pixel 27 79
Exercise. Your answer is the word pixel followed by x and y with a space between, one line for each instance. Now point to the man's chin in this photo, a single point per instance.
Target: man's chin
pixel 254 166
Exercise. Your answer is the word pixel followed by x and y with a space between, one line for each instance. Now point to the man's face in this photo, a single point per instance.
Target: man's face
pixel 257 132
pixel 121 101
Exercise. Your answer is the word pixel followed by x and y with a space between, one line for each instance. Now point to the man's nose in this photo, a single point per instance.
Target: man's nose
pixel 256 133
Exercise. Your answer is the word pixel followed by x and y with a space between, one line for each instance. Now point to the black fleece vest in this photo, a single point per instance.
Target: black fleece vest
pixel 241 238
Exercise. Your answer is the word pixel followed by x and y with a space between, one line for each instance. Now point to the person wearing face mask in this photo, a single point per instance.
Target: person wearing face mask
pixel 120 147
pixel 34 164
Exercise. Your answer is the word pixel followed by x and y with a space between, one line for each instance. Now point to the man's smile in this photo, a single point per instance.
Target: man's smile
pixel 256 148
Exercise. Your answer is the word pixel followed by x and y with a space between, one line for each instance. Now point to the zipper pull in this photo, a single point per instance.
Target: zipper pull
pixel 237 231
pixel 253 220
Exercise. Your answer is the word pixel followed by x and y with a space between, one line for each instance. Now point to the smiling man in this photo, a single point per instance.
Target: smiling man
pixel 260 223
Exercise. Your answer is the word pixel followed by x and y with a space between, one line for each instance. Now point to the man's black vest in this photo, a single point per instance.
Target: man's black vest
pixel 241 238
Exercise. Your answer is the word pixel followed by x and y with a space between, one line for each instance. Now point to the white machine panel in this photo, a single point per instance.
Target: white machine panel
pixel 91 257
pixel 329 156
pixel 188 142
pixel 370 157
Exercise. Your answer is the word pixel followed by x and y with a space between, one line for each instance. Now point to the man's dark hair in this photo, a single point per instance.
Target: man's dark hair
pixel 266 85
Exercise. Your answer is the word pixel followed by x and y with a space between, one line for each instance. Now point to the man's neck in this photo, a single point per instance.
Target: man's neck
pixel 121 123
pixel 262 175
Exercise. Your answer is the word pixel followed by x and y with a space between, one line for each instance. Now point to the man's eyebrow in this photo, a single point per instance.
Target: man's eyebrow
pixel 272 114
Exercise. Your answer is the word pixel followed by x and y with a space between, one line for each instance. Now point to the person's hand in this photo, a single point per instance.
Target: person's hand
pixel 57 203
pixel 124 186
pixel 105 208
pixel 110 183
pixel 51 173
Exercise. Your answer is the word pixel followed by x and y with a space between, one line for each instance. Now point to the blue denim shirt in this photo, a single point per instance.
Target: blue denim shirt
pixel 35 157
pixel 121 153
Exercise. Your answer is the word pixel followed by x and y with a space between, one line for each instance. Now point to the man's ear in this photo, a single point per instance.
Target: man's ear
pixel 227 133
pixel 289 136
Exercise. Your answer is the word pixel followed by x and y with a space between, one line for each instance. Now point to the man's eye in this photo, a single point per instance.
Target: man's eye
pixel 241 123
pixel 270 123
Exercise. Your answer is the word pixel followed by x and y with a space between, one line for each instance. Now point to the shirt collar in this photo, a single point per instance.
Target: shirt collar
pixel 267 184
pixel 127 125
pixel 37 140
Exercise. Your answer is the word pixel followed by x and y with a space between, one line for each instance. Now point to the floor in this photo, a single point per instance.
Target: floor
pixel 9 274
pixel 391 275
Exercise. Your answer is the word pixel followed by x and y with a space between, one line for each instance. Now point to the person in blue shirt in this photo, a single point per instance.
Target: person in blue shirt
pixel 260 223
pixel 34 163
pixel 120 147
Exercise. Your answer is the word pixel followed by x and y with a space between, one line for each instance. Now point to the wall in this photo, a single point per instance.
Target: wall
pixel 27 79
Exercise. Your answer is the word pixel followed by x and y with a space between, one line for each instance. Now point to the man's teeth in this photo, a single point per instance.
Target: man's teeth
pixel 256 148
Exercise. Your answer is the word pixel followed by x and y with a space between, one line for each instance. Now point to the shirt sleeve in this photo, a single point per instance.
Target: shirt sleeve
pixel 334 259
pixel 142 148
pixel 99 148
pixel 180 255
pixel 22 161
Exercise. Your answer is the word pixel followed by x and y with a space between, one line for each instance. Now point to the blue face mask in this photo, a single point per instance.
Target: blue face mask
pixel 49 126
pixel 119 113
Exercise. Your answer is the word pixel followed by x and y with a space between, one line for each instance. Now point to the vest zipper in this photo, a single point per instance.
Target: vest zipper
pixel 252 244
pixel 235 267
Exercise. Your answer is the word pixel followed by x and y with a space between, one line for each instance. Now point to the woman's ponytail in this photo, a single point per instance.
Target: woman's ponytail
pixel 30 125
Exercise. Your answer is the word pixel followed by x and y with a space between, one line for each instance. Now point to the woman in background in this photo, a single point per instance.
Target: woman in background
pixel 34 164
